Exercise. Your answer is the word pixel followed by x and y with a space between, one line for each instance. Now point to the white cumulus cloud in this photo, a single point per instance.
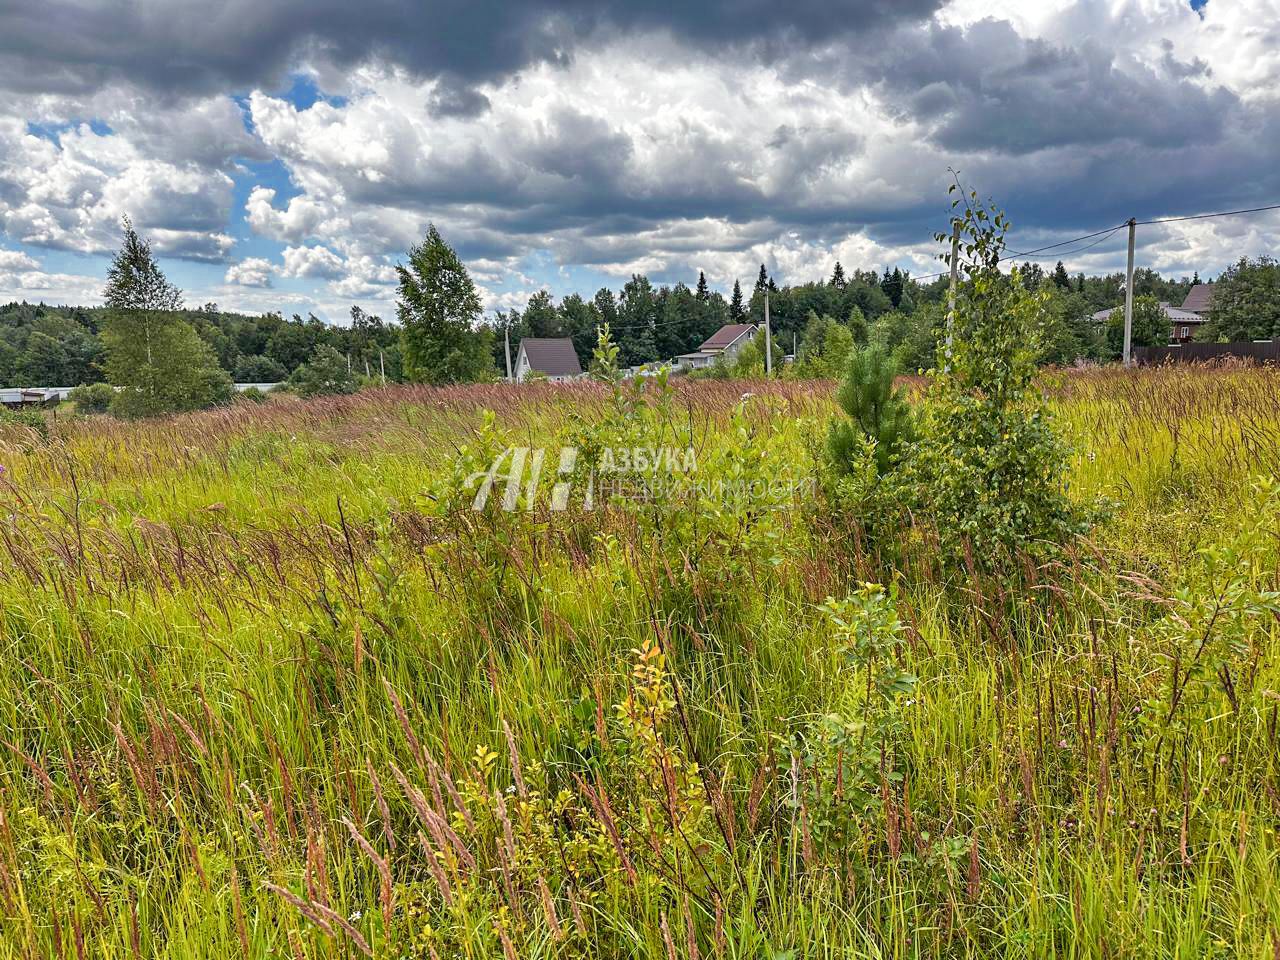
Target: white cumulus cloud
pixel 253 272
pixel 312 262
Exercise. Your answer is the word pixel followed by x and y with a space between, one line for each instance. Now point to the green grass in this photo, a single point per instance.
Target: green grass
pixel 228 634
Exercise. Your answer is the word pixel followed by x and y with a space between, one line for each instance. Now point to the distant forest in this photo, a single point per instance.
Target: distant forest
pixel 60 346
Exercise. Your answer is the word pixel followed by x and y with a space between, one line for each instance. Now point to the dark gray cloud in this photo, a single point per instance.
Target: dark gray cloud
pixel 193 46
pixel 454 98
pixel 672 129
pixel 988 88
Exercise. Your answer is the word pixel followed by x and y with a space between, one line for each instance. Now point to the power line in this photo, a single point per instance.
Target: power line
pixel 1070 253
pixel 1101 235
pixel 1107 232
pixel 1053 246
pixel 1208 216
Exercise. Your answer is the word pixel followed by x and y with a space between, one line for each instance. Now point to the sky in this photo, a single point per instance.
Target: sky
pixel 285 155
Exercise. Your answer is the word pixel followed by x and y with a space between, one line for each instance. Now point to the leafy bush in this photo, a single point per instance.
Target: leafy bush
pixel 1151 325
pixel 251 395
pixel 1246 302
pixel 175 372
pixel 825 346
pixel 325 373
pixel 748 363
pixel 92 398
pixel 991 469
pixel 259 370
pixel 27 421
pixel 909 337
pixel 859 746
pixel 604 362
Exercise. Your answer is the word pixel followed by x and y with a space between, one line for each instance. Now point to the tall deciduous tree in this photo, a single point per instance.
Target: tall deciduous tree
pixel 677 329
pixel 580 319
pixel 134 280
pixel 438 309
pixel 541 319
pixel 1151 325
pixel 155 357
pixel 606 305
pixel 1246 302
pixel 637 318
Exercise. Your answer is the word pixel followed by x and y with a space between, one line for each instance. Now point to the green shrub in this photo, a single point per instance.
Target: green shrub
pixel 25 421
pixel 825 346
pixel 326 372
pixel 92 398
pixel 859 747
pixel 259 370
pixel 1151 325
pixel 251 395
pixel 991 469
pixel 604 362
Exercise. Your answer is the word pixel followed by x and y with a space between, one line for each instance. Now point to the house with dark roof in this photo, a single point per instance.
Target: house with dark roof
pixel 1184 322
pixel 551 357
pixel 1199 299
pixel 724 343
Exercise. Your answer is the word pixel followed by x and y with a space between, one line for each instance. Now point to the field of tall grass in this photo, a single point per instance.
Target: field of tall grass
pixel 271 687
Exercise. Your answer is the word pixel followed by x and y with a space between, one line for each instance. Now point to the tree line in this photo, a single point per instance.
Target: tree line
pixel 144 341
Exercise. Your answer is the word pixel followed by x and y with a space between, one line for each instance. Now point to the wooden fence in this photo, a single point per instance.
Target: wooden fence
pixel 1265 351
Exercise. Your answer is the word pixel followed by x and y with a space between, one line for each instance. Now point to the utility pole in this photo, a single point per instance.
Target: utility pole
pixel 1128 298
pixel 382 368
pixel 506 349
pixel 768 339
pixel 951 295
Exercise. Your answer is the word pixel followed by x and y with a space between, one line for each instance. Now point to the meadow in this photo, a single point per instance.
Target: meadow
pixel 271 687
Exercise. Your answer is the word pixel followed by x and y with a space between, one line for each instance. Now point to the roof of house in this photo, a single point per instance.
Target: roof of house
pixel 727 335
pixel 1199 298
pixel 553 356
pixel 33 394
pixel 1176 314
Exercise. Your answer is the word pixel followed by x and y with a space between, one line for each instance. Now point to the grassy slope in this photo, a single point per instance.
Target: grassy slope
pixel 204 621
